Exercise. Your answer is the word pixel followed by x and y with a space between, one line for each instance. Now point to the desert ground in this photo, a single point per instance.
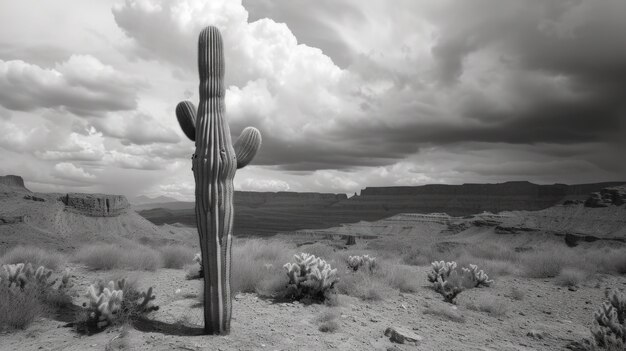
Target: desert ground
pixel 546 284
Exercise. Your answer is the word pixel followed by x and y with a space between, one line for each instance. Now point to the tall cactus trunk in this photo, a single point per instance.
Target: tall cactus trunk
pixel 214 165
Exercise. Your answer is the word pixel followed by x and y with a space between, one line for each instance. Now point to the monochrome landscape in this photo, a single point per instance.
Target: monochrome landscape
pixel 313 175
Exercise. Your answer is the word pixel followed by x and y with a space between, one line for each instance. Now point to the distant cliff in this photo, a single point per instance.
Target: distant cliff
pixel 95 205
pixel 14 182
pixel 467 199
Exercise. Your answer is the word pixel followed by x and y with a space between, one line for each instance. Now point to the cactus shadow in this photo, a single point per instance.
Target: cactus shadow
pixel 176 328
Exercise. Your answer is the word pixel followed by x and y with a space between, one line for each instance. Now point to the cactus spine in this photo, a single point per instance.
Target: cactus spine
pixel 214 164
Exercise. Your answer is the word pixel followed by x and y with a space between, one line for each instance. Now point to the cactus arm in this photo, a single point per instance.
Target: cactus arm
pixel 247 146
pixel 186 115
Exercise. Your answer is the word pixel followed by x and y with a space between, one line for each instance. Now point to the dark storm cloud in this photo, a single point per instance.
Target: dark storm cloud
pixel 560 67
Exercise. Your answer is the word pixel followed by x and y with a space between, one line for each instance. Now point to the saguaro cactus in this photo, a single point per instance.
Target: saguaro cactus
pixel 214 165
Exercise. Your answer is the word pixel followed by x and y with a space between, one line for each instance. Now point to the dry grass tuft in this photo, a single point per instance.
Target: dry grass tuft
pixel 110 256
pixel 257 266
pixel 493 307
pixel 361 285
pixel 36 256
pixel 176 256
pixel 402 278
pixel 327 321
pixel 19 308
pixel 545 263
pixel 571 277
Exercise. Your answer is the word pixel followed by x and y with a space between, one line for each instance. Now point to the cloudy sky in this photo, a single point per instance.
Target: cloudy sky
pixel 347 94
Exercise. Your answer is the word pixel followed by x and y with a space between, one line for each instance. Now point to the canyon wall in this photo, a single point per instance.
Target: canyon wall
pixel 467 199
pixel 268 213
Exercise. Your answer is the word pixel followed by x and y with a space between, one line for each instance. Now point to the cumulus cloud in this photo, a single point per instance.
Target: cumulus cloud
pixel 81 85
pixel 76 147
pixel 135 128
pixel 69 171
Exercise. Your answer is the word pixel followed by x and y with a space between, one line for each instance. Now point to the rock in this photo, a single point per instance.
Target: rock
pixel 12 220
pixel 401 335
pixel 535 334
pixel 34 198
pixel 606 197
pixel 95 205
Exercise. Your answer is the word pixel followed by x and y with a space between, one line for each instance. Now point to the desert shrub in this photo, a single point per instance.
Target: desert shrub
pixel 493 307
pixel 609 329
pixel 570 277
pixel 445 312
pixel 327 321
pixel 310 278
pixel 110 256
pixel 362 262
pixel 113 303
pixel 27 293
pixel 176 256
pixel 19 307
pixel 35 256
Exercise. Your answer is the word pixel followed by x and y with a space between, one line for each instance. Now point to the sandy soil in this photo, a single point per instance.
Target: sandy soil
pixel 556 313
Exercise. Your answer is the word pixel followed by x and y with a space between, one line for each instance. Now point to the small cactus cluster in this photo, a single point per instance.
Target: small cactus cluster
pixel 441 269
pixel 20 275
pixel 609 329
pixel 478 277
pixel 453 285
pixel 104 303
pixel 356 262
pixel 113 302
pixel 450 282
pixel 310 277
